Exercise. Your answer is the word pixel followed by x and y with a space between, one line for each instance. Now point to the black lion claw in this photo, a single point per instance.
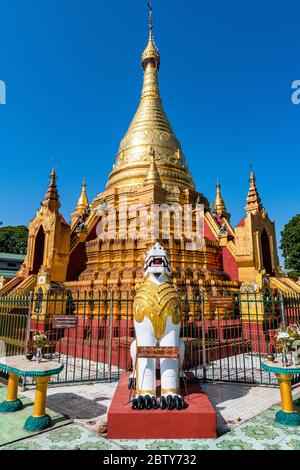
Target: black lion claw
pixel 148 402
pixel 134 404
pixel 141 403
pixel 154 403
pixel 178 402
pixel 163 403
pixel 172 402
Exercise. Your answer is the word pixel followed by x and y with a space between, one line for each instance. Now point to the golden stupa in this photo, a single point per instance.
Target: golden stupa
pixel 150 169
pixel 150 129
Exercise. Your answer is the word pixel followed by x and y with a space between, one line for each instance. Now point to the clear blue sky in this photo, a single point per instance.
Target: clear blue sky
pixel 73 76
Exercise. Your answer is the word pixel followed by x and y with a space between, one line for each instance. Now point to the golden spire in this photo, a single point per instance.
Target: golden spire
pixel 83 200
pixel 51 199
pixel 219 201
pixel 150 127
pixel 151 53
pixel 152 176
pixel 253 203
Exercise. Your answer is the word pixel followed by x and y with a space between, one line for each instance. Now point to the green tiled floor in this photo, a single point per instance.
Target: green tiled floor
pixel 259 433
pixel 256 434
pixel 67 437
pixel 11 424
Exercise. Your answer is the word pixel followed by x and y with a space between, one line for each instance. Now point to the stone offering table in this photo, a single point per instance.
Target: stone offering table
pixel 19 366
pixel 287 415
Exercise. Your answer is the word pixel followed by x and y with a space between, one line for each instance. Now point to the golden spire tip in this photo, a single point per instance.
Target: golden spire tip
pixel 82 202
pixel 51 199
pixel 219 201
pixel 150 15
pixel 151 53
pixel 253 201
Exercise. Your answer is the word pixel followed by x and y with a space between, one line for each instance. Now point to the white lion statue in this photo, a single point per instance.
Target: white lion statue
pixel 157 322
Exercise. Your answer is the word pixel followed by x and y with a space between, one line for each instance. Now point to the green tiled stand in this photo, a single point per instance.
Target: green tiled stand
pixel 287 416
pixel 19 366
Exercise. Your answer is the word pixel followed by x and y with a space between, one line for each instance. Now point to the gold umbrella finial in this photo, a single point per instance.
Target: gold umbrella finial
pixel 151 53
pixel 51 199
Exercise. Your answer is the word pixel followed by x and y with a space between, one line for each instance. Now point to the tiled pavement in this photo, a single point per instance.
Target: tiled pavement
pixel 260 432
pixel 87 403
pixel 11 424
pixel 237 403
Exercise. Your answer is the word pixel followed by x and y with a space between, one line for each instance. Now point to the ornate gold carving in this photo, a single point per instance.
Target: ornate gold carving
pixel 157 303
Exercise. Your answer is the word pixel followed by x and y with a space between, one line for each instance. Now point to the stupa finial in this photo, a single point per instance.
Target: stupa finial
pixel 253 202
pixel 82 202
pixel 151 53
pixel 51 199
pixel 219 201
pixel 150 15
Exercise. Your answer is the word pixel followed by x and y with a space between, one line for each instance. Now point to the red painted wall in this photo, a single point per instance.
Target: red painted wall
pixel 76 263
pixel 230 264
pixel 208 232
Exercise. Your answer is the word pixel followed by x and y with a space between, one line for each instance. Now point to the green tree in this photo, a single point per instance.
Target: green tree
pixel 290 246
pixel 13 239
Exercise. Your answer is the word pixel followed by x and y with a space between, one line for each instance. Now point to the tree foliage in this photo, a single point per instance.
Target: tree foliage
pixel 290 246
pixel 13 239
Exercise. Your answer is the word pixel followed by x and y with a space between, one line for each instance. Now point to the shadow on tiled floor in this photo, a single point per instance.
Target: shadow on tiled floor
pixel 75 406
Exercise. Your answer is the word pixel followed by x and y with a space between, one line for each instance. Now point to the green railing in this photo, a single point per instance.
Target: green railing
pixel 226 334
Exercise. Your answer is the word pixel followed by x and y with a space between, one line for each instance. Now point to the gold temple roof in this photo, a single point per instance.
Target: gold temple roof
pixel 150 128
